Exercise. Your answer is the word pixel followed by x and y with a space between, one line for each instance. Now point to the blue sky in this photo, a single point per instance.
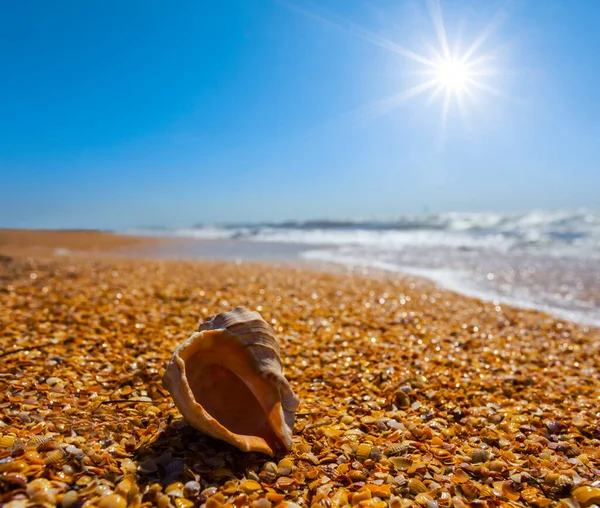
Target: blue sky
pixel 127 114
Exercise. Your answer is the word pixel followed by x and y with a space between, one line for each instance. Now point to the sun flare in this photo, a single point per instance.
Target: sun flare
pixel 447 70
pixel 452 74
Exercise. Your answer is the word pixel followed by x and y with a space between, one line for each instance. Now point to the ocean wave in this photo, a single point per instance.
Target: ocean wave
pixel 579 220
pixel 566 233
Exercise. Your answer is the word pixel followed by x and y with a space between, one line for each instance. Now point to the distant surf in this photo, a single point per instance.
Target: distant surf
pixel 537 259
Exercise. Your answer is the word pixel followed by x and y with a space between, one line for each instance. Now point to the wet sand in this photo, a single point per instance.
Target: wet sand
pixel 410 395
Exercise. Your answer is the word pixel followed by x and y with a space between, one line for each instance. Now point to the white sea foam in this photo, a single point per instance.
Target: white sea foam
pixel 462 281
pixel 556 233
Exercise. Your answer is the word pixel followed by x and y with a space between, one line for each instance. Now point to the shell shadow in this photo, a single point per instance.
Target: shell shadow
pixel 178 452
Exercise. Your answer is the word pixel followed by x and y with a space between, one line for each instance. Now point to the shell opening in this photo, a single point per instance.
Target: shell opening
pixel 239 400
pixel 229 401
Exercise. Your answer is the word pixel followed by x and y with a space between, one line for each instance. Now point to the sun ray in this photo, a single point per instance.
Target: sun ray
pixel 498 19
pixel 358 31
pixel 445 110
pixel 460 101
pixel 435 94
pixel 438 21
pixel 485 88
pixel 392 102
pixel 476 62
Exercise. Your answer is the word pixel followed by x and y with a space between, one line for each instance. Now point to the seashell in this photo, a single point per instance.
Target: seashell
pixel 147 467
pixel 285 467
pixel 480 455
pixel 285 483
pixel 497 466
pixel 55 456
pixel 401 463
pixel 250 486
pixel 459 476
pixel 191 489
pixel 554 427
pixel 470 490
pixel 275 497
pixel 227 381
pixel 33 457
pixel 38 441
pixel 564 481
pixel 347 419
pixel 163 501
pixel 181 502
pixel 437 441
pixel 342 469
pixel 530 495
pixel 383 491
pixel 40 491
pixel 176 486
pixel 16 466
pixel 112 501
pixel 125 486
pixel 357 476
pixel 8 441
pixel 481 472
pixel 267 477
pixel 443 455
pixel 416 486
pixel 173 470
pixel 394 449
pixel 587 496
pixel 402 400
pixel 363 495
pixel 423 499
pixel 363 452
pixel 69 499
pixel 16 479
pixel 301 448
pixel 128 466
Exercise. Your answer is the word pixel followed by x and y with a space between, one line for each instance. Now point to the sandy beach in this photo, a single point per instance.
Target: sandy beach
pixel 410 395
pixel 23 242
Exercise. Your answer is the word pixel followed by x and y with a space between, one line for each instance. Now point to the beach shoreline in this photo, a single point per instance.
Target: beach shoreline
pixel 118 244
pixel 456 400
pixel 541 291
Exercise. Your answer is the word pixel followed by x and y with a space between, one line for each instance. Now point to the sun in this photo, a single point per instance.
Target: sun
pixel 457 76
pixel 452 74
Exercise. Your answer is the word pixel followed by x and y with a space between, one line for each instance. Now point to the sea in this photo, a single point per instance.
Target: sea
pixel 545 260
